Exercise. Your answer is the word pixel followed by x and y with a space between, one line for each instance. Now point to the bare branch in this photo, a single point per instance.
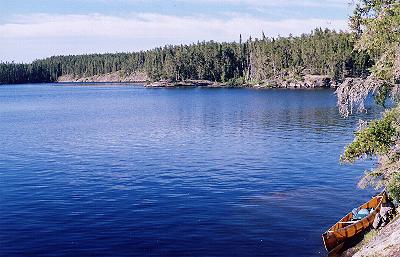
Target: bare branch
pixel 353 92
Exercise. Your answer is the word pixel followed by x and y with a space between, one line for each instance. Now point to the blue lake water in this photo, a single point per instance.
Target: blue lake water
pixel 121 170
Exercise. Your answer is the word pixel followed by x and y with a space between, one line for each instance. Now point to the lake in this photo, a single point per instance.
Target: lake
pixel 123 170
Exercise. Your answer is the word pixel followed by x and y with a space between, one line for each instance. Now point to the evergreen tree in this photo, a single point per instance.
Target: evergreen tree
pixel 322 52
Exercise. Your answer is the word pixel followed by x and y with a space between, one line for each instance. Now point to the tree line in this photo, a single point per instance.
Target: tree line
pixel 322 52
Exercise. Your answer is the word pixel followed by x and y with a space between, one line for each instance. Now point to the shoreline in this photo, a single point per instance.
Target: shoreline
pixel 150 85
pixel 305 82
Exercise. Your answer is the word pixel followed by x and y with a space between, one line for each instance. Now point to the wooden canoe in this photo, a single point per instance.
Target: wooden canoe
pixel 346 229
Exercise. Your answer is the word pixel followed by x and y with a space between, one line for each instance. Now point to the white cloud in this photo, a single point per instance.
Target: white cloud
pixel 309 3
pixel 64 34
pixel 280 3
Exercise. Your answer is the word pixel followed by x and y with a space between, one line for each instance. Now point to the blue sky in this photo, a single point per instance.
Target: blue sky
pixel 31 29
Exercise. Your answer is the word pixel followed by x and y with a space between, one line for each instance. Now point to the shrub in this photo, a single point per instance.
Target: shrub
pixel 394 187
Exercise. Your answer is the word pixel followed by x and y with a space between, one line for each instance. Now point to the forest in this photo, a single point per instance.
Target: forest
pixel 321 52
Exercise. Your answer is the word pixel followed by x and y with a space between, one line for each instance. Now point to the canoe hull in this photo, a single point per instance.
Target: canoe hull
pixel 344 230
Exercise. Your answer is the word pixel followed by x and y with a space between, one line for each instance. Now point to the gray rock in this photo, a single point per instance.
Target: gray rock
pixel 377 221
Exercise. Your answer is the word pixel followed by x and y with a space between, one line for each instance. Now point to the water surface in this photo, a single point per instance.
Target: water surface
pixel 121 170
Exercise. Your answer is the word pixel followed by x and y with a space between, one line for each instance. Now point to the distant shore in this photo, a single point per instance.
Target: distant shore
pixel 305 82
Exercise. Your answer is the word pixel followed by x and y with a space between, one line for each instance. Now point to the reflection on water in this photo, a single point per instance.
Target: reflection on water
pixel 124 170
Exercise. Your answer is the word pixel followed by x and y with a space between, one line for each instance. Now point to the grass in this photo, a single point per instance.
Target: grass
pixel 369 236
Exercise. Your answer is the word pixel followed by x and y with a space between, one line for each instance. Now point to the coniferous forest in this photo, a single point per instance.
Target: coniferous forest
pixel 322 52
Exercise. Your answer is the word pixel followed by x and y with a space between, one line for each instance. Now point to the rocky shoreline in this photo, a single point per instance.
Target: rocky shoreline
pixel 305 82
pixel 186 83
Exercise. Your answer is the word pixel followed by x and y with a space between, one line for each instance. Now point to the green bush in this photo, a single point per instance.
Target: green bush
pixel 376 139
pixel 394 187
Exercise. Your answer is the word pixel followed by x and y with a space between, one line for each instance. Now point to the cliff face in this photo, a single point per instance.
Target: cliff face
pixel 386 242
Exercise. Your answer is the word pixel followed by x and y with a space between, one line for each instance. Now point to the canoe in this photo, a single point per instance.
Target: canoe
pixel 346 228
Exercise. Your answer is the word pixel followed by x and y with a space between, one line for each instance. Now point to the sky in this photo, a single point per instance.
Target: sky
pixel 33 29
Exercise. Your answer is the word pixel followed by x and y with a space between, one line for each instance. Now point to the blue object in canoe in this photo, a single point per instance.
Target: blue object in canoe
pixel 361 214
